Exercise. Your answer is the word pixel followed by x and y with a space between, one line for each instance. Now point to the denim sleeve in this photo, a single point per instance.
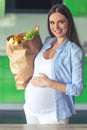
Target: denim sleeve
pixel 75 88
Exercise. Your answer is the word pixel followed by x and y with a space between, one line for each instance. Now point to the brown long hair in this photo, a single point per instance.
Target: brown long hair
pixel 72 33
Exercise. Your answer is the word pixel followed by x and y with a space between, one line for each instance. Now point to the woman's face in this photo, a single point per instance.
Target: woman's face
pixel 58 25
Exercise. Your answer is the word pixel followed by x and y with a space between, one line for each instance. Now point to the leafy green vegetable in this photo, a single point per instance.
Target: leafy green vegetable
pixel 31 34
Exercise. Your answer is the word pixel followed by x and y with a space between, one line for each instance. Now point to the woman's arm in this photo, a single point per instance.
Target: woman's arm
pixel 76 87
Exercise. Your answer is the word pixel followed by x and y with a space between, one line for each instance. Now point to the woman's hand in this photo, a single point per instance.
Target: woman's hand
pixel 43 81
pixel 40 81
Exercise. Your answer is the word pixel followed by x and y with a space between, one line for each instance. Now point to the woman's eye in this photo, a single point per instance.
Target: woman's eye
pixel 51 22
pixel 61 22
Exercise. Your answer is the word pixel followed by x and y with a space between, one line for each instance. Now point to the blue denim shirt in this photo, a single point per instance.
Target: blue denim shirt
pixel 67 67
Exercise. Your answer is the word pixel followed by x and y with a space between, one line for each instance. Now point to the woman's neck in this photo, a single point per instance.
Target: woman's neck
pixel 58 42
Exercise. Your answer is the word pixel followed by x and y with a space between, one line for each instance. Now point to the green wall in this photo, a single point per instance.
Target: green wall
pixel 8 91
pixel 2 7
pixel 77 7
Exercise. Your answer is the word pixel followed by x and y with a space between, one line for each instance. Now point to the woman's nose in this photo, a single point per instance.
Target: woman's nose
pixel 56 25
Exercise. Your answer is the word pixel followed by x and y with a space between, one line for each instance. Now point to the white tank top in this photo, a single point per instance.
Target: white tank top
pixel 40 99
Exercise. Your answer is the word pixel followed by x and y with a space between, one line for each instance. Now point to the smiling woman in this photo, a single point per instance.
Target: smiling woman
pixel 57 78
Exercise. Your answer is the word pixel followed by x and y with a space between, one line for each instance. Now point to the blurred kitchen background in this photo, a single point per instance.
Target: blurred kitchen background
pixel 19 16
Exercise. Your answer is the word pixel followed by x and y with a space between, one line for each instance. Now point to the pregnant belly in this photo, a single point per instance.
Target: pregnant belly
pixel 39 100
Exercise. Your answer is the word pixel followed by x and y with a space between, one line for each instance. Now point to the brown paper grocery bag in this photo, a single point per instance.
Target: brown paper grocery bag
pixel 22 60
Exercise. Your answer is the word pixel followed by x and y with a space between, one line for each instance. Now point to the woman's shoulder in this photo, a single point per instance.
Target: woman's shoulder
pixel 47 41
pixel 75 49
pixel 74 46
pixel 48 38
